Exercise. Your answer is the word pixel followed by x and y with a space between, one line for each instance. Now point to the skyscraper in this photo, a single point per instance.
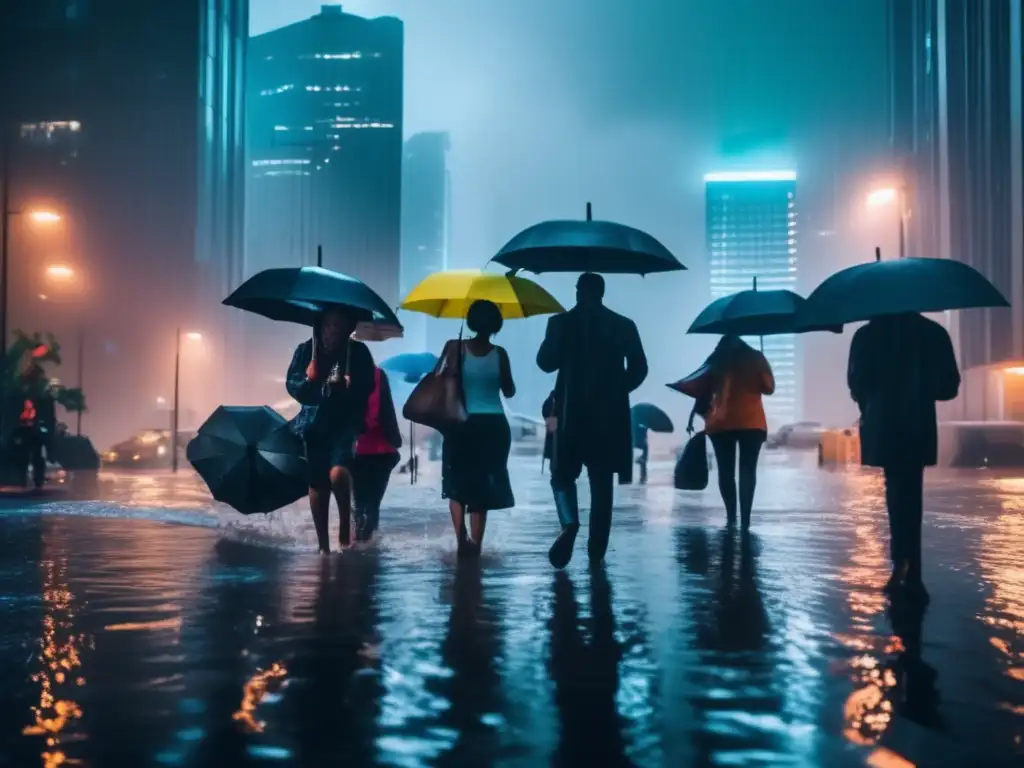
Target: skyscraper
pixel 956 96
pixel 426 220
pixel 129 117
pixel 751 235
pixel 325 147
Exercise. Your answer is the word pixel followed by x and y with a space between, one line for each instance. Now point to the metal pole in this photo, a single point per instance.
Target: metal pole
pixel 81 373
pixel 174 417
pixel 904 215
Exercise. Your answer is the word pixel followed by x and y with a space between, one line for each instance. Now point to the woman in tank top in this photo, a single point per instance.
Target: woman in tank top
pixel 474 458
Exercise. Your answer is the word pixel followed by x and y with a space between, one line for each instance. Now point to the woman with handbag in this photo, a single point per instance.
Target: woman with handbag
pixel 376 457
pixel 331 377
pixel 474 457
pixel 735 423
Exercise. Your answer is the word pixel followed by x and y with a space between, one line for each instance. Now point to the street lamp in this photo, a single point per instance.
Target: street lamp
pixel 44 217
pixel 190 336
pixel 60 272
pixel 883 196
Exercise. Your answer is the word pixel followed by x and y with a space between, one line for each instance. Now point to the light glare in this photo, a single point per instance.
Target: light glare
pixel 882 196
pixel 44 217
pixel 60 272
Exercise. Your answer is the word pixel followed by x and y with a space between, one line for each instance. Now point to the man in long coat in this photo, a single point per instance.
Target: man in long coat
pixel 899 367
pixel 599 359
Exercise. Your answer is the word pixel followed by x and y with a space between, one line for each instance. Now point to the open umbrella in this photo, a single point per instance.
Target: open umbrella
pixel 301 294
pixel 411 366
pixel 451 294
pixel 754 313
pixel 250 459
pixel 586 246
pixel 648 416
pixel 896 287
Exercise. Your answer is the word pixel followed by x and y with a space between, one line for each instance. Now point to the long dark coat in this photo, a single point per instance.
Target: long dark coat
pixel 599 359
pixel 899 367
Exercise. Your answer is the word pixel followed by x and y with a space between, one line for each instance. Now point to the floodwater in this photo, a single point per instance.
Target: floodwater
pixel 153 629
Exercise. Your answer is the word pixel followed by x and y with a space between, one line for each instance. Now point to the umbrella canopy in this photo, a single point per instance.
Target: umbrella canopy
pixel 411 366
pixel 897 287
pixel 301 294
pixel 651 417
pixel 586 246
pixel 451 294
pixel 754 313
pixel 250 459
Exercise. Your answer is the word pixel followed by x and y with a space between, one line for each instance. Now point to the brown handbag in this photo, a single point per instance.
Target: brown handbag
pixel 438 401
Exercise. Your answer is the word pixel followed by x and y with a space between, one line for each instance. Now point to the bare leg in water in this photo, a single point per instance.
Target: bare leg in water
pixel 320 506
pixel 459 523
pixel 477 526
pixel 341 484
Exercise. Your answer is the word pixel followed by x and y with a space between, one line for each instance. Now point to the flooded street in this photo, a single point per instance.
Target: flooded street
pixel 154 629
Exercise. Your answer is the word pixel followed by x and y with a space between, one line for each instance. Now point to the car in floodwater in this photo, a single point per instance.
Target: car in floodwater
pixel 804 435
pixel 148 449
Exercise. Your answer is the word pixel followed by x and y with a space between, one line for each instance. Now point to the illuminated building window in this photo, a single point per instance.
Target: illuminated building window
pixel 275 161
pixel 345 56
pixel 275 91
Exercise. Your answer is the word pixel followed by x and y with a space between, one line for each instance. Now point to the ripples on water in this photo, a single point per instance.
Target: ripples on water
pixel 224 642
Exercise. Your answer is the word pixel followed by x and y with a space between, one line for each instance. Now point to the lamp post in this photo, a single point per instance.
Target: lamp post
pixel 893 195
pixel 191 336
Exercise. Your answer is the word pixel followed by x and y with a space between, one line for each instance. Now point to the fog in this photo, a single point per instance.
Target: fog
pixel 627 105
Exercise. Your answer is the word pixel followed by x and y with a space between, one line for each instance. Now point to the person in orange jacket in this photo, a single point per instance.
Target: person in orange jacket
pixel 738 377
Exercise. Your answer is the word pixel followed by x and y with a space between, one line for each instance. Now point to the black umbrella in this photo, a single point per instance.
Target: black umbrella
pixel 586 246
pixel 301 294
pixel 648 416
pixel 754 313
pixel 250 459
pixel 896 287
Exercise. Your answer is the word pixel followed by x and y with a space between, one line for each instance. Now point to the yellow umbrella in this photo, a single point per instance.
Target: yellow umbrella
pixel 450 294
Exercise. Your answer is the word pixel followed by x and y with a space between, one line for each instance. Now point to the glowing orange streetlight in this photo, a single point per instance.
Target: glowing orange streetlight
pixel 883 196
pixel 44 217
pixel 60 272
pixel 194 336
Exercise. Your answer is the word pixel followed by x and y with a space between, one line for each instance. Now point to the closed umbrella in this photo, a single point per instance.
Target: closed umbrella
pixel 896 287
pixel 250 459
pixel 586 246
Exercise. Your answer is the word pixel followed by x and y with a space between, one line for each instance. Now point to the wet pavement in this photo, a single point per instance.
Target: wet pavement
pixel 131 639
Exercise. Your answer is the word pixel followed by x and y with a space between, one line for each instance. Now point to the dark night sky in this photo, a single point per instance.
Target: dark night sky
pixel 555 102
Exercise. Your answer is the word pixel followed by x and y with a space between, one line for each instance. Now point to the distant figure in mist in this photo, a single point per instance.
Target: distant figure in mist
pixel 640 441
pixel 899 368
pixel 600 360
pixel 739 377
pixel 333 386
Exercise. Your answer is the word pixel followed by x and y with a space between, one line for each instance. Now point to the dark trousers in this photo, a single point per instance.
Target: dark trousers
pixel 602 494
pixel 30 455
pixel 747 443
pixel 371 474
pixel 904 500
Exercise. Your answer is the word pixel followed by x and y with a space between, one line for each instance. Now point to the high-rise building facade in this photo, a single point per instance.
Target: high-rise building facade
pixel 956 70
pixel 325 147
pixel 751 234
pixel 129 118
pixel 426 224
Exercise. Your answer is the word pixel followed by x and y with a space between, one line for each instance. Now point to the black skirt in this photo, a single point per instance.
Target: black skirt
pixel 474 463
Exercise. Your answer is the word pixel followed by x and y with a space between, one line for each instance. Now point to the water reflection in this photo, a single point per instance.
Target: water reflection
pixel 55 719
pixel 586 676
pixel 471 650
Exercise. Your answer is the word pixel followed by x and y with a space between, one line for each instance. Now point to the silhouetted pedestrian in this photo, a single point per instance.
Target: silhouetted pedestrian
pixel 333 388
pixel 735 421
pixel 899 368
pixel 376 457
pixel 599 359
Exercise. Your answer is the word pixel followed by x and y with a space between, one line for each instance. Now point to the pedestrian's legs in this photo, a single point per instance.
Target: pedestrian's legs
pixel 724 444
pixel 341 485
pixel 602 490
pixel 894 504
pixel 319 494
pixel 458 513
pixel 913 519
pixel 563 484
pixel 477 526
pixel 750 443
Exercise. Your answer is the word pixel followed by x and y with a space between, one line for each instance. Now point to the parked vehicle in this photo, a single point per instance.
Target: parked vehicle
pixel 149 449
pixel 803 435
